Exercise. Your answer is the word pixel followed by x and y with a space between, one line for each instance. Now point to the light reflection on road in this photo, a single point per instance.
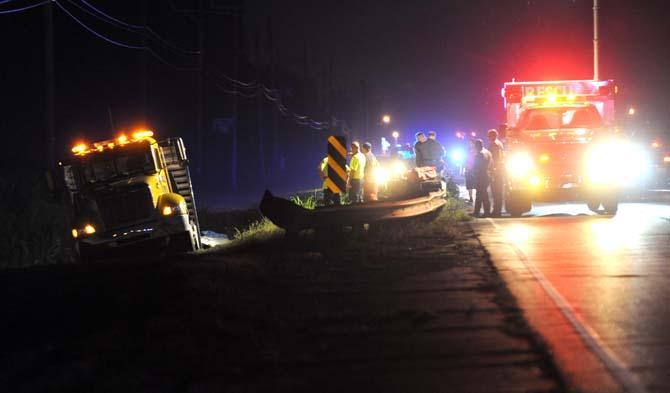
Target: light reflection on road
pixel 613 271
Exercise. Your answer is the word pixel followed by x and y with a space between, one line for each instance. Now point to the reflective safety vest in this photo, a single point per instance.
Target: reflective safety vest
pixel 357 166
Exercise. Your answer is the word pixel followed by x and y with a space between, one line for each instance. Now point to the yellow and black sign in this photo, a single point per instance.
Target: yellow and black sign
pixel 337 164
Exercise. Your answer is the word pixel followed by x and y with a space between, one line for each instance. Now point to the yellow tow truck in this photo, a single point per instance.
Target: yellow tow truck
pixel 131 191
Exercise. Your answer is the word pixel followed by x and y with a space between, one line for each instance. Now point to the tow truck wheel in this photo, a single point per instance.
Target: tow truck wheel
pixel 180 243
pixel 83 253
pixel 516 204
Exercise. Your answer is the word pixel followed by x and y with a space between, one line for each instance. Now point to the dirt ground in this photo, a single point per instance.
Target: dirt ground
pixel 323 314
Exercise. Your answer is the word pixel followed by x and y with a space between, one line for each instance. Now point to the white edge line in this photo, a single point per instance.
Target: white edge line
pixel 590 337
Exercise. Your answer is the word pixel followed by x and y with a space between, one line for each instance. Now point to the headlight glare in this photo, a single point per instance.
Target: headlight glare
pixel 519 164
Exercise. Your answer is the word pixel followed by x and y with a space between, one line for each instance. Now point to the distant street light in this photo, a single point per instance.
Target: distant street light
pixel 386 119
pixel 631 111
pixel 474 134
pixel 395 136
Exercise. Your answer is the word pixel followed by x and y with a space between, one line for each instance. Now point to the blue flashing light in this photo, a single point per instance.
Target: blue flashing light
pixel 457 156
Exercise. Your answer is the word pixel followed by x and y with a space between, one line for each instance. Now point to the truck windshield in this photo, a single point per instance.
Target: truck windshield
pixel 102 166
pixel 560 117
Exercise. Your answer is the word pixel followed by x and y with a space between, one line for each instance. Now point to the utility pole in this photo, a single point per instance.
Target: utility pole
pixel 200 100
pixel 50 86
pixel 275 113
pixel 259 114
pixel 233 142
pixel 595 40
pixel 143 68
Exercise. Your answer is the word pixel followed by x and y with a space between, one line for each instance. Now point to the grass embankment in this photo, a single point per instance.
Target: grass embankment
pixel 263 231
pixel 33 225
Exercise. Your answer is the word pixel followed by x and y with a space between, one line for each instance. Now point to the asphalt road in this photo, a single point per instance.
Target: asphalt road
pixel 596 288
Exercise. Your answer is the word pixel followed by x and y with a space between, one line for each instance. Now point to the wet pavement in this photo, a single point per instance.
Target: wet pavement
pixel 595 287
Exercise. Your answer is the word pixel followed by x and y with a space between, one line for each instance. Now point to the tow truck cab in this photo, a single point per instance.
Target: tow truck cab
pixel 562 144
pixel 131 191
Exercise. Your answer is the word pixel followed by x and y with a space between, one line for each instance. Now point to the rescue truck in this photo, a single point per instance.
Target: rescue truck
pixel 563 145
pixel 131 191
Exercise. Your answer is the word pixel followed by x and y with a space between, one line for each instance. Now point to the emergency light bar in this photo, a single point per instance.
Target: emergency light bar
pixel 81 149
pixel 553 91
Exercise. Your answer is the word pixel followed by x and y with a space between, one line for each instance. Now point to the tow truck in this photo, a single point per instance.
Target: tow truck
pixel 131 191
pixel 563 145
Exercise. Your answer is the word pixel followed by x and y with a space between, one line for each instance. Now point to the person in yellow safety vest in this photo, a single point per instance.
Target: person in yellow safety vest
pixel 369 182
pixel 356 173
pixel 329 197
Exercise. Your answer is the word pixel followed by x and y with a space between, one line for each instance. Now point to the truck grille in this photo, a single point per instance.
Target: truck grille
pixel 125 207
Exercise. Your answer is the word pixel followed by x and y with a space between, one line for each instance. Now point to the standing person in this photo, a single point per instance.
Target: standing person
pixel 433 152
pixel 419 149
pixel 356 173
pixel 369 183
pixel 497 172
pixel 482 170
pixel 470 169
pixel 329 197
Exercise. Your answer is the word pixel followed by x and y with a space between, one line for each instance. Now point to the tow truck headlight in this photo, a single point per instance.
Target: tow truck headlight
pixel 88 229
pixel 181 208
pixel 519 164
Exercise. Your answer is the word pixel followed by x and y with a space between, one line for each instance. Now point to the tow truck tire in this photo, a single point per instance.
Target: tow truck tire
pixel 84 253
pixel 180 243
pixel 611 204
pixel 516 204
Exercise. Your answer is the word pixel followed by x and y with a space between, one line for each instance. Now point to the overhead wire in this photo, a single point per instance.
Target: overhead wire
pixel 269 94
pixel 122 44
pixel 11 11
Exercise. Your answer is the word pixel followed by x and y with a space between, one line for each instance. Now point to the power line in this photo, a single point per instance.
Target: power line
pixel 11 11
pixel 269 94
pixel 121 44
pixel 100 15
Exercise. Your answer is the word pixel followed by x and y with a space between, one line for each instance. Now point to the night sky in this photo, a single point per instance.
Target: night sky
pixel 432 64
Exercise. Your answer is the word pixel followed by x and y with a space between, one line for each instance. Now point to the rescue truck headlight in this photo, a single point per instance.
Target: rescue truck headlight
pixel 519 165
pixel 89 229
pixel 75 233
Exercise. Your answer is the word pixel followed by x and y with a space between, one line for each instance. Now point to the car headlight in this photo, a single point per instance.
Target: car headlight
pixel 380 175
pixel 519 164
pixel 399 168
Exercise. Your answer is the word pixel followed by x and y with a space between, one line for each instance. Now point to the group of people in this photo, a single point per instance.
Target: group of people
pixel 361 185
pixel 486 168
pixel 428 151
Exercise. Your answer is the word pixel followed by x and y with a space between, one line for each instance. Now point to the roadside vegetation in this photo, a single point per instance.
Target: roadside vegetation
pixel 34 225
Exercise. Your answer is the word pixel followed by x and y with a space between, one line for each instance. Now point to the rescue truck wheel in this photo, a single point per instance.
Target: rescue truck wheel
pixel 593 205
pixel 516 204
pixel 611 204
